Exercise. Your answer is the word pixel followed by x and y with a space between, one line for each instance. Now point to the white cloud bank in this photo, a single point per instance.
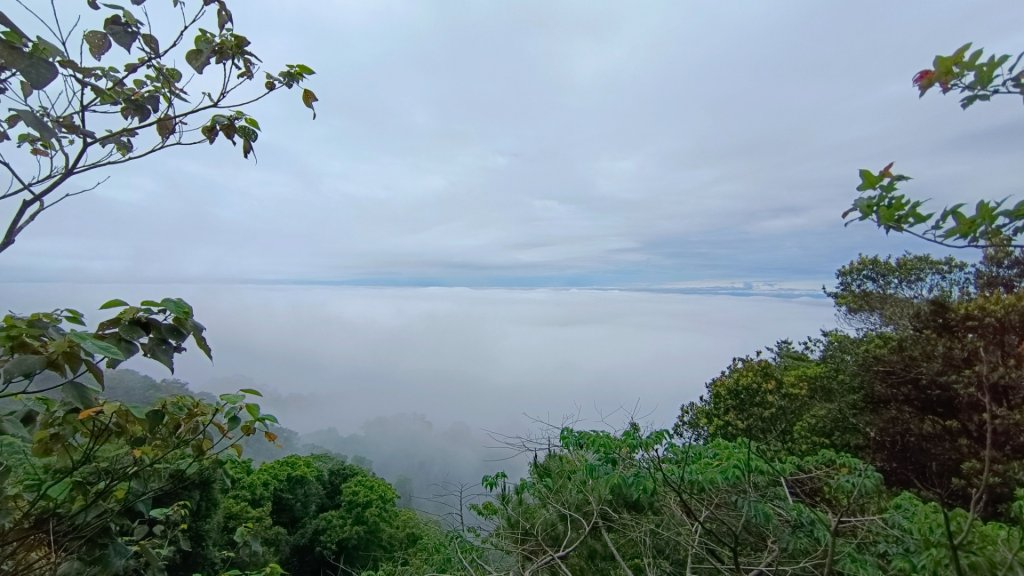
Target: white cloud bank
pixel 485 357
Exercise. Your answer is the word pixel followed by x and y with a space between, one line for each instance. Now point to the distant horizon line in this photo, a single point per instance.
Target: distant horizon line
pixel 746 288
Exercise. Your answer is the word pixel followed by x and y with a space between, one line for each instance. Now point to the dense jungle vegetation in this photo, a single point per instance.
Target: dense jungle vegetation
pixel 894 446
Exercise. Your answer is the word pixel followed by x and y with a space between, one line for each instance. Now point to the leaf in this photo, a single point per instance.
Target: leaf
pixel 98 42
pixel 91 343
pixel 247 133
pixel 115 303
pixel 21 366
pixel 223 16
pixel 252 392
pixel 270 436
pixel 177 306
pixel 202 344
pixel 198 59
pixel 13 427
pixel 154 561
pixel 89 412
pixel 308 98
pixel 151 43
pixel 131 332
pixel 120 32
pixel 38 71
pixel 36 123
pixel 232 398
pixel 161 350
pixel 173 333
pixel 26 89
pixel 154 418
pixel 165 127
pixel 94 370
pixel 78 394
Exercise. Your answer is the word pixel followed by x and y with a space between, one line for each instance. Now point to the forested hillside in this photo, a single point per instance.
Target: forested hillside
pixel 891 446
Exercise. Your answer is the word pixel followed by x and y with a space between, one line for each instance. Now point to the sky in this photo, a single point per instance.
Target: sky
pixel 681 152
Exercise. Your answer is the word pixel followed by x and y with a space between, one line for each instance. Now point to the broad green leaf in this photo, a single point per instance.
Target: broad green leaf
pixel 115 303
pixel 92 344
pixel 36 70
pixel 198 59
pixel 122 33
pixel 131 332
pixel 151 43
pixel 161 350
pixel 177 306
pixel 22 366
pixel 251 391
pixel 79 394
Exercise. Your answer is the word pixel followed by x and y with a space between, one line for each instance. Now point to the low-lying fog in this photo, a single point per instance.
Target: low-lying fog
pixel 329 356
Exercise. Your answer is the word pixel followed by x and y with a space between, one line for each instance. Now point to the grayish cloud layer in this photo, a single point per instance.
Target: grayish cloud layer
pixel 540 143
pixel 338 356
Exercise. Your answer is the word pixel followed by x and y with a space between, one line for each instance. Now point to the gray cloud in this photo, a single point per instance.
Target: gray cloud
pixel 499 144
pixel 337 355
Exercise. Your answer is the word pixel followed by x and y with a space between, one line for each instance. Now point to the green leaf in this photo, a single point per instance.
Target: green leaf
pixel 115 303
pixel 79 394
pixel 98 42
pixel 177 306
pixel 247 133
pixel 36 123
pixel 151 43
pixel 154 418
pixel 232 398
pixel 36 70
pixel 308 98
pixel 251 391
pixel 22 366
pixel 161 350
pixel 165 127
pixel 76 320
pixel 131 332
pixel 202 344
pixel 123 34
pixel 173 333
pixel 13 427
pixel 198 59
pixel 92 344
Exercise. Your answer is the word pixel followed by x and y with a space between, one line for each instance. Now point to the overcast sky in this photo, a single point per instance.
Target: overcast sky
pixel 544 144
pixel 554 143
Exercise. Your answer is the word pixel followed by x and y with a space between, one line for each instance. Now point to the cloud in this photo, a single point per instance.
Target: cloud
pixel 336 356
pixel 497 145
